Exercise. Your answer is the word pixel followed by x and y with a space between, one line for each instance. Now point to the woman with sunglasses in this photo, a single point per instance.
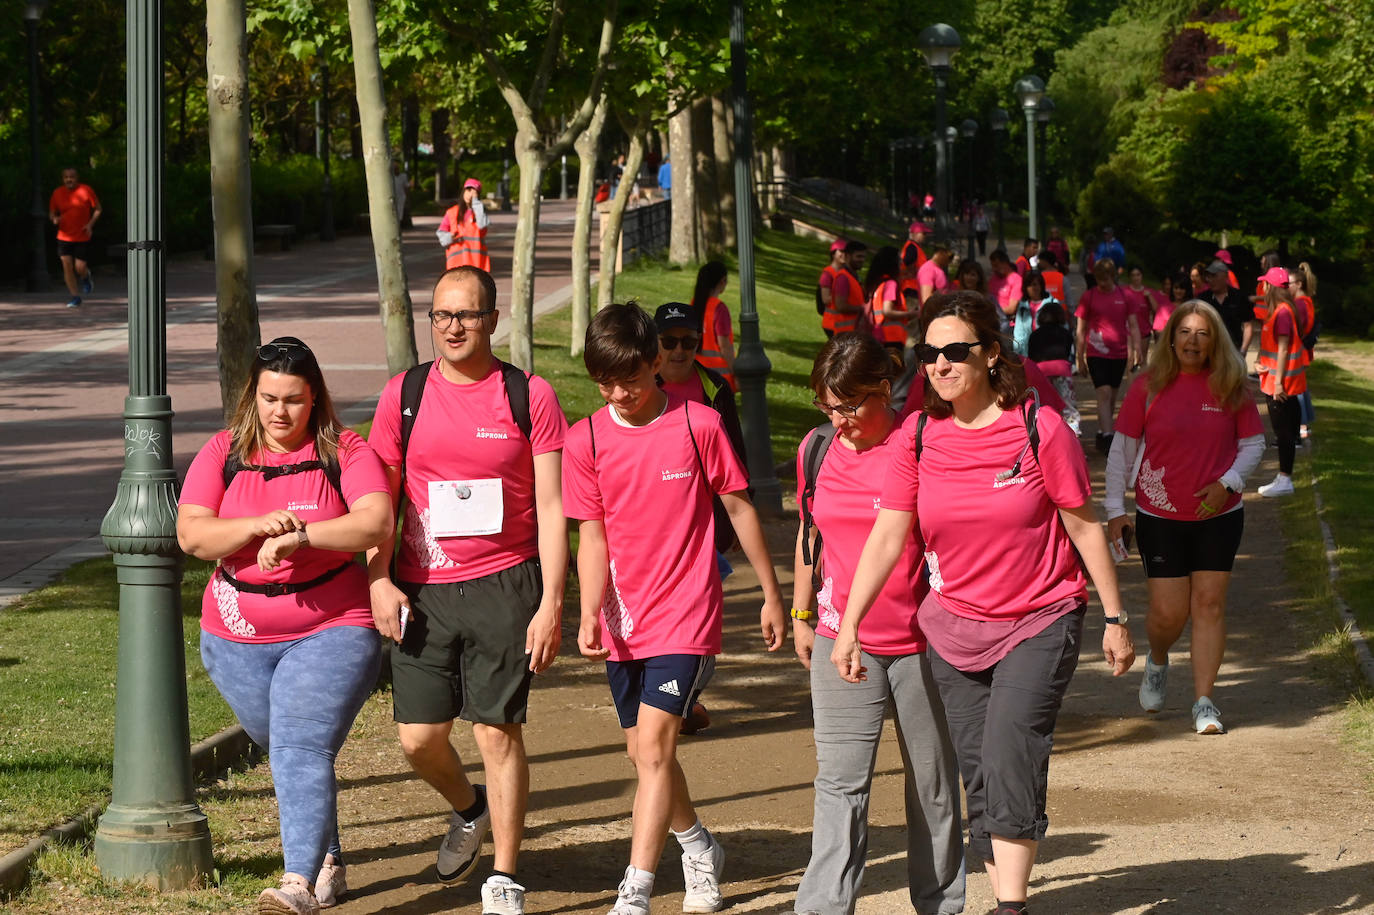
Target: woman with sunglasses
pixel 283 499
pixel 1190 435
pixel 1005 518
pixel 852 383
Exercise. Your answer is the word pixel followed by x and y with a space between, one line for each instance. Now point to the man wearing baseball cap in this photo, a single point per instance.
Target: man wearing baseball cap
pixel 463 230
pixel 1233 307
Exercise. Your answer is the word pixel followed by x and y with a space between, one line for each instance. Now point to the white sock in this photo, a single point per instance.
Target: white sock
pixel 640 880
pixel 694 840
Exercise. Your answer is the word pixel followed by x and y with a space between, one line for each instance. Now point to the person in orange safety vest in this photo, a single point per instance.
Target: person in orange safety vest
pixel 463 230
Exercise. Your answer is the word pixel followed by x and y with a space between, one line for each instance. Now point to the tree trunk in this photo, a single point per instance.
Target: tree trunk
pixel 586 145
pixel 355 131
pixel 231 196
pixel 725 169
pixel 615 216
pixel 683 245
pixel 532 164
pixel 704 165
pixel 392 291
pixel 438 134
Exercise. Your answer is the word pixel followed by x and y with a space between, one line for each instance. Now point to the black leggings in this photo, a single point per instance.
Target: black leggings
pixel 1285 416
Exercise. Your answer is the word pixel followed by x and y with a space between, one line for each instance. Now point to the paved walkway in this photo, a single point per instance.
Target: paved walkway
pixel 64 375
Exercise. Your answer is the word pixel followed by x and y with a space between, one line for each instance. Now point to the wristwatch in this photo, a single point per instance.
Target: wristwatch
pixel 1118 620
pixel 803 615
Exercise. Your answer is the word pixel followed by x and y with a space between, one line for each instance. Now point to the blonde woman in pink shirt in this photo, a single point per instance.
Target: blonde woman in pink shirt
pixel 999 488
pixel 852 383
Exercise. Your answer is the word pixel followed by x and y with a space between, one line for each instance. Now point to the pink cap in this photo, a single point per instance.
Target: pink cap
pixel 1225 257
pixel 1275 276
pixel 919 226
pixel 837 245
pixel 473 183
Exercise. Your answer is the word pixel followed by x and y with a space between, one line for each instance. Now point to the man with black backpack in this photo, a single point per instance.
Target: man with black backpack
pixel 476 595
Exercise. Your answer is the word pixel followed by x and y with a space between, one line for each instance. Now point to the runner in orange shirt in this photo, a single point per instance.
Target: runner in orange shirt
pixel 74 208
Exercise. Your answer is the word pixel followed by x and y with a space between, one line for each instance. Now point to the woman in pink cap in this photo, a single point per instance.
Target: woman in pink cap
pixel 463 230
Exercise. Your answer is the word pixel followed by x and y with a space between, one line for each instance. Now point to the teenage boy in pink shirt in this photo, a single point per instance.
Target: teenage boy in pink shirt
pixel 639 477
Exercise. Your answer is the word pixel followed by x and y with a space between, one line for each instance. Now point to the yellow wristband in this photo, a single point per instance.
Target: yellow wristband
pixel 803 614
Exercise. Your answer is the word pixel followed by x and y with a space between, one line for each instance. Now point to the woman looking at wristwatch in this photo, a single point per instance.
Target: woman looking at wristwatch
pixel 1189 435
pixel 851 380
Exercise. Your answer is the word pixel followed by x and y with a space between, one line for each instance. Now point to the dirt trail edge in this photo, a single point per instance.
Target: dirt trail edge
pixel 1145 816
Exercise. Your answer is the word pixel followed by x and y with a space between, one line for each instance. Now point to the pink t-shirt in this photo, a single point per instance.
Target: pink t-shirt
pixel 1190 441
pixel 996 549
pixel 663 595
pixel 240 616
pixel 1005 290
pixel 1152 301
pixel 1107 314
pixel 691 389
pixel 467 432
pixel 1162 314
pixel 933 275
pixel 844 506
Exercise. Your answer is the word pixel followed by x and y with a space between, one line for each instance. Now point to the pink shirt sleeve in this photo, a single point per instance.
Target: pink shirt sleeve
pixel 722 324
pixel 827 279
pixel 581 494
pixel 900 482
pixel 360 470
pixel 1131 420
pixel 385 436
pixel 204 484
pixel 1062 462
pixel 548 425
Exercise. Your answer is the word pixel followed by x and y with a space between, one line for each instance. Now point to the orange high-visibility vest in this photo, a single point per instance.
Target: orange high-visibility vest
pixel 469 242
pixel 908 278
pixel 711 354
pixel 828 318
pixel 846 322
pixel 1295 371
pixel 887 330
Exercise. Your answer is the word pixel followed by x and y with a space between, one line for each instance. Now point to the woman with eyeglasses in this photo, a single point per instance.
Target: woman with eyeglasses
pixel 852 383
pixel 1005 513
pixel 283 500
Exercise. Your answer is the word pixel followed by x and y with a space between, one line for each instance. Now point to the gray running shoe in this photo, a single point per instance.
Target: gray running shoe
pixel 1152 685
pixel 462 847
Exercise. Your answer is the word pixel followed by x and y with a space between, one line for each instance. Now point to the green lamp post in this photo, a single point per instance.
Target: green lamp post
pixel 152 832
pixel 1029 90
pixel 752 365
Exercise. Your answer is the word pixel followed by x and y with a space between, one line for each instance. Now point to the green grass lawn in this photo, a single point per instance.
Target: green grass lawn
pixel 1338 461
pixel 57 692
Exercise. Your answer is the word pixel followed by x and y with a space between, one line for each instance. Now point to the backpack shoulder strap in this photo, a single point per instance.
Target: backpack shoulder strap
pixel 920 433
pixel 812 458
pixel 1030 409
pixel 412 390
pixel 518 395
pixel 701 467
pixel 232 465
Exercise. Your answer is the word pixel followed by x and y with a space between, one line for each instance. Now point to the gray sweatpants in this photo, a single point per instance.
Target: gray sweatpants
pixel 849 724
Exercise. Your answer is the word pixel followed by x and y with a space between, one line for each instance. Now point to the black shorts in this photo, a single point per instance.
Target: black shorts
pixel 78 250
pixel 463 655
pixel 1106 373
pixel 1176 549
pixel 670 683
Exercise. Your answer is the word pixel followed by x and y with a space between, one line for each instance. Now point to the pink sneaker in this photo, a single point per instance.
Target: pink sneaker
pixel 294 897
pixel 330 885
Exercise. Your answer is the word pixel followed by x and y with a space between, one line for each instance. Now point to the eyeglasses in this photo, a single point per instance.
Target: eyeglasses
pixel 844 409
pixel 468 320
pixel 953 352
pixel 269 351
pixel 688 343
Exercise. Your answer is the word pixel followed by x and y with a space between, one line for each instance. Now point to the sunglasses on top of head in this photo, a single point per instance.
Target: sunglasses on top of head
pixel 953 352
pixel 283 349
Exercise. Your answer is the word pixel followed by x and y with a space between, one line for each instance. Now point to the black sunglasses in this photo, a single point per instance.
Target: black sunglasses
pixel 953 352
pixel 282 350
pixel 688 343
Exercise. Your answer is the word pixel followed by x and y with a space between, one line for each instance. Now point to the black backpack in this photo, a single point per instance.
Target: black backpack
pixel 816 449
pixel 332 471
pixel 413 390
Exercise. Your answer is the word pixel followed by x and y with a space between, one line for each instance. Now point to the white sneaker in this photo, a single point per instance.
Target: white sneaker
pixel 502 896
pixel 701 875
pixel 462 847
pixel 1282 486
pixel 1152 685
pixel 330 885
pixel 1206 718
pixel 293 897
pixel 631 900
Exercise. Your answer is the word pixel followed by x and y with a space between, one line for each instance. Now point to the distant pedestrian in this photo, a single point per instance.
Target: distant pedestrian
pixel 887 310
pixel 717 331
pixel 1283 364
pixel 665 178
pixel 1107 341
pixel 1026 261
pixel 1231 304
pixel 74 209
pixel 981 226
pixel 1059 248
pixel 463 230
pixel 932 278
pixel 824 286
pixel 847 292
pixel 1004 285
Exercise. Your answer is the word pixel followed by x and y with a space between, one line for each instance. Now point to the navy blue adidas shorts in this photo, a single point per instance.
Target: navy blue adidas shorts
pixel 669 682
